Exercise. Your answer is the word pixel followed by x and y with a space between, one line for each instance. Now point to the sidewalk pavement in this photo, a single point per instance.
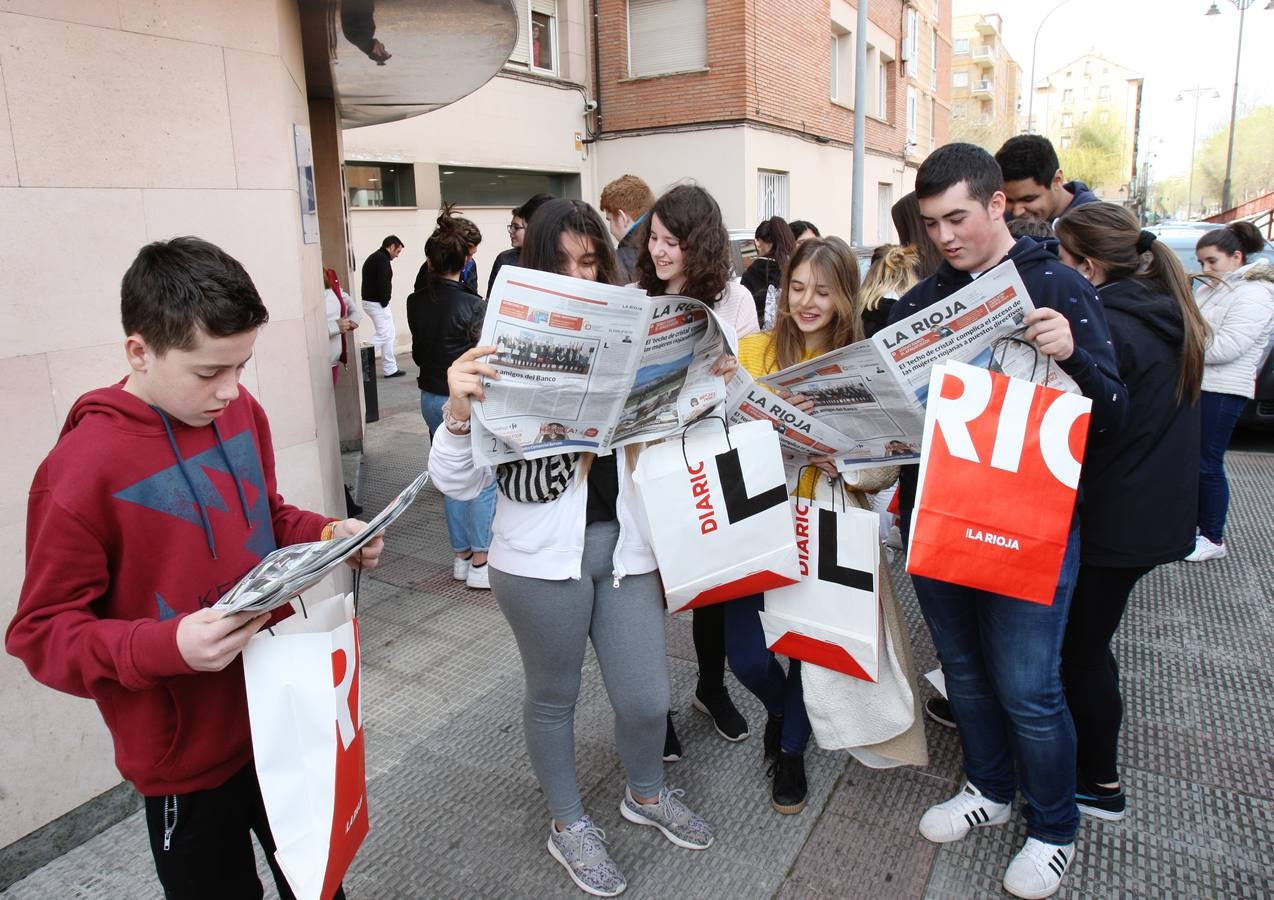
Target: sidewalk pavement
pixel 456 812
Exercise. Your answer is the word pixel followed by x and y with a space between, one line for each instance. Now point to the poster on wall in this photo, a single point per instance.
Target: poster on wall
pixel 305 184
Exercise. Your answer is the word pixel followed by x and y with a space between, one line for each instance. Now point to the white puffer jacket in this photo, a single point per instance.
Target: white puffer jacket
pixel 1240 314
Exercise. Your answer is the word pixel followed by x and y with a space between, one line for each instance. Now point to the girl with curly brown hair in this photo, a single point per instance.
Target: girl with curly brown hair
pixel 686 252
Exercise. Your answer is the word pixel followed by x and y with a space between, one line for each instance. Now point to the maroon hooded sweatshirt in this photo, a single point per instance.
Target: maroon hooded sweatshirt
pixel 133 521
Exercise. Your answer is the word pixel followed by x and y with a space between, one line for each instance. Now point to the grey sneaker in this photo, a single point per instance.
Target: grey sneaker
pixel 679 825
pixel 581 849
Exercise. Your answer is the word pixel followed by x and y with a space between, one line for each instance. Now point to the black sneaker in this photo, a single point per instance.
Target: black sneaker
pixel 726 718
pixel 938 709
pixel 773 734
pixel 788 794
pixel 1100 802
pixel 672 746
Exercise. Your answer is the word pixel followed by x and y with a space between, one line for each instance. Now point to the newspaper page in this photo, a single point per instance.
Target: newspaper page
pixel 566 353
pixel 590 367
pixel 801 435
pixel 980 324
pixel 288 571
pixel 674 382
pixel 874 391
pixel 859 396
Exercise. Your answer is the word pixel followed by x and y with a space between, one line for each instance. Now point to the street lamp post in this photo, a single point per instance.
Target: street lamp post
pixel 1194 138
pixel 1242 6
pixel 1030 103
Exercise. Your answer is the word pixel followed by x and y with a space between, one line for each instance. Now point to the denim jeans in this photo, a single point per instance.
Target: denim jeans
pixel 468 521
pixel 1218 413
pixel 1002 661
pixel 756 668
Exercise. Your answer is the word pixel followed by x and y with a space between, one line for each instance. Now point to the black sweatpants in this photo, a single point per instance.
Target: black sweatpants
pixel 202 842
pixel 1090 675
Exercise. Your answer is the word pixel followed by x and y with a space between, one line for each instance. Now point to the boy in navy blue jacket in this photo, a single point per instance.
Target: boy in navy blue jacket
pixel 1001 656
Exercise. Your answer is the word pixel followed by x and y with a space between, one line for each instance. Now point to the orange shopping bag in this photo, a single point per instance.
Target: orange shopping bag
pixel 998 476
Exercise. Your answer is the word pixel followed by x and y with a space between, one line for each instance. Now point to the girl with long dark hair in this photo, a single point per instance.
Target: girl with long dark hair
pixel 774 243
pixel 1134 514
pixel 1240 311
pixel 569 564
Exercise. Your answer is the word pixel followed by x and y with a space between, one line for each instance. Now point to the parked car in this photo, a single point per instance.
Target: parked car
pixel 1181 238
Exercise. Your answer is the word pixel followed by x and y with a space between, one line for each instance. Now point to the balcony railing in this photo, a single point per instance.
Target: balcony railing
pixel 983 88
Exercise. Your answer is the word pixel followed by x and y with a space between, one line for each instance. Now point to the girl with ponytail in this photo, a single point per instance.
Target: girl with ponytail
pixel 1134 512
pixel 445 315
pixel 1239 309
pixel 893 272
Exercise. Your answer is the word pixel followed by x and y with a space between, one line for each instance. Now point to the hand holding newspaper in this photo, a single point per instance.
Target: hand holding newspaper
pixel 589 367
pixel 288 571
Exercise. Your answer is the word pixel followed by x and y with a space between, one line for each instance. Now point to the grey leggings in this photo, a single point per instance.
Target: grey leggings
pixel 552 621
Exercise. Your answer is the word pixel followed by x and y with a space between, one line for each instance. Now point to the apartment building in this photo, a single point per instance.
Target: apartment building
pixel 985 82
pixel 1093 91
pixel 755 104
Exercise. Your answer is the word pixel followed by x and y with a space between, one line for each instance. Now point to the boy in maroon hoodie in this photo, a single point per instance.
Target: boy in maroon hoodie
pixel 159 495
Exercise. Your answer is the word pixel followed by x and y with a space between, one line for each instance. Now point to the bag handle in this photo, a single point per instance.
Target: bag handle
pixel 1017 337
pixel 724 424
pixel 800 473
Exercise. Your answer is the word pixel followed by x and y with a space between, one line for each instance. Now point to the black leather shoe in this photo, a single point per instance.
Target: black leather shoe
pixel 788 795
pixel 725 716
pixel 672 746
pixel 399 374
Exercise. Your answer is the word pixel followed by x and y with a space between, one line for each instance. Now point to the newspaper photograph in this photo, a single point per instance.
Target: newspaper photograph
pixel 587 367
pixel 801 435
pixel 288 571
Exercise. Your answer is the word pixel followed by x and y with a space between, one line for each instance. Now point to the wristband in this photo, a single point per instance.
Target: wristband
pixel 452 424
pixel 327 533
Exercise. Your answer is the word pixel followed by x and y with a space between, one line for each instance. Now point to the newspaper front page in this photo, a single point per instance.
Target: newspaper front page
pixel 587 367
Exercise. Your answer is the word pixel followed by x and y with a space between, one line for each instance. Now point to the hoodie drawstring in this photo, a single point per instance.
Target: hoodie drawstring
pixel 238 485
pixel 190 483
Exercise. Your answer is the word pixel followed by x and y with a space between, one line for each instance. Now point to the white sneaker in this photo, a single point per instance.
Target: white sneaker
pixel 968 809
pixel 479 577
pixel 1204 550
pixel 1037 869
pixel 460 568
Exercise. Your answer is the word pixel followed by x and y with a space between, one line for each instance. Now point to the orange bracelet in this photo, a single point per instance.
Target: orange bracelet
pixel 326 533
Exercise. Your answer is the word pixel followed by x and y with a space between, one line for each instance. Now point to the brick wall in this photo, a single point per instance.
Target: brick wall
pixel 768 63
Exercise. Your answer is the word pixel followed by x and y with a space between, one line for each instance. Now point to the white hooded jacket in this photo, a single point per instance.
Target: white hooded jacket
pixel 1240 314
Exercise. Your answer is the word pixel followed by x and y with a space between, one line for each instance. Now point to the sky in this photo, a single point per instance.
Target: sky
pixel 1171 43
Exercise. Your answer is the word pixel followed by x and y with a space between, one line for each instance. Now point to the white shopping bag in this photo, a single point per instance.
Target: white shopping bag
pixel 305 708
pixel 716 501
pixel 831 617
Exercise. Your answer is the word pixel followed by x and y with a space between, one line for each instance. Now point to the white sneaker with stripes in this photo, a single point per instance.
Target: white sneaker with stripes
pixel 968 809
pixel 1037 869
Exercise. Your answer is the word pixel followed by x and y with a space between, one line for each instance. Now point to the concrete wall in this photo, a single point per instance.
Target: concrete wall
pixel 123 123
pixel 510 122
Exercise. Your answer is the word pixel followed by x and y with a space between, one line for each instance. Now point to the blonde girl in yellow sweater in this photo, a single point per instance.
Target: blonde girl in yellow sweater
pixel 817 313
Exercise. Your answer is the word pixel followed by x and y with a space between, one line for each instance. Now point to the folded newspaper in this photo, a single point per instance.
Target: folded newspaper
pixel 288 571
pixel 590 367
pixel 869 397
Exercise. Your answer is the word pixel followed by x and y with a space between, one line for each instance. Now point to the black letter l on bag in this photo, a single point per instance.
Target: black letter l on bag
pixel 828 567
pixel 738 505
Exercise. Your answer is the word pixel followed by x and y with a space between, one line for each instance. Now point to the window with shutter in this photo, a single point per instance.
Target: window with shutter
pixel 666 36
pixel 771 194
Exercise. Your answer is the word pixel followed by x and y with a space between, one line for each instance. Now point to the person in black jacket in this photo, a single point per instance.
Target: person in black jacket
pixel 774 243
pixel 1033 181
pixel 445 318
pixel 378 287
pixel 517 233
pixel 1001 656
pixel 1136 508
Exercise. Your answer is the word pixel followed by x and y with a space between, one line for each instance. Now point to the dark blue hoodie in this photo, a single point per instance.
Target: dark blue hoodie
pixel 1082 195
pixel 1050 283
